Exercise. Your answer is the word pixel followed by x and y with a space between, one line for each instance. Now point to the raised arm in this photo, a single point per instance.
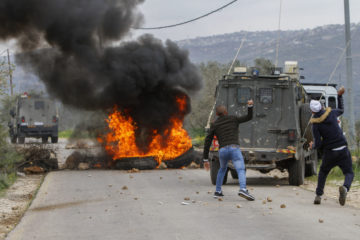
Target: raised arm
pixel 340 110
pixel 249 116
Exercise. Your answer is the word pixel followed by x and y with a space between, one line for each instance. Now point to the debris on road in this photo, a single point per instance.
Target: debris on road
pixel 39 157
pixel 73 161
pixel 277 185
pixel 220 199
pixel 282 206
pixel 133 170
pixel 161 178
pixel 83 166
pixel 264 202
pixel 238 206
pixel 162 165
pixel 321 220
pixel 269 199
pixel 124 188
pixel 187 199
pixel 197 192
pixel 184 203
pixel 193 165
pixel 80 144
pixel 34 170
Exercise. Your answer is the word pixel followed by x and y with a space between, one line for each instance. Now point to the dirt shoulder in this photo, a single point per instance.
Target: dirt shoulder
pixel 331 191
pixel 15 201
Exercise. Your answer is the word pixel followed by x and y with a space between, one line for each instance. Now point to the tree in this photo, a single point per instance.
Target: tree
pixel 8 155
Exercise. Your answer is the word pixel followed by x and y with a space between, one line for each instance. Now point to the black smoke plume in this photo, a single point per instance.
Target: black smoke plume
pixel 69 44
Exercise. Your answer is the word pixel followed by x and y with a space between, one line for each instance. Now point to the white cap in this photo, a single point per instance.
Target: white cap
pixel 315 106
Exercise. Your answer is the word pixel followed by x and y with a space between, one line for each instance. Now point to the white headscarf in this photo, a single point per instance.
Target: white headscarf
pixel 315 106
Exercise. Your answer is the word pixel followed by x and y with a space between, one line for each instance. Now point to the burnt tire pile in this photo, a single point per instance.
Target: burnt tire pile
pixel 148 163
pixel 104 161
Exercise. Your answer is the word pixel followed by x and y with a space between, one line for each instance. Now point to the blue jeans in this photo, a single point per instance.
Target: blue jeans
pixel 227 153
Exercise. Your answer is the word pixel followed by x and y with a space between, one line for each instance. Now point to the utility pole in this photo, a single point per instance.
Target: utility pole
pixel 10 72
pixel 349 73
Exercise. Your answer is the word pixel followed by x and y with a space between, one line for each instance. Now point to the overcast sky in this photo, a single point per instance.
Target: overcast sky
pixel 249 15
pixel 252 15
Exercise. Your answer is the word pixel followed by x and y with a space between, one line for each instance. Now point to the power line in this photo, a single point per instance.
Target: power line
pixel 189 21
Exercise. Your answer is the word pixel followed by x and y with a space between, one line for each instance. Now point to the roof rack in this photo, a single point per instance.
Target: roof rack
pixel 320 84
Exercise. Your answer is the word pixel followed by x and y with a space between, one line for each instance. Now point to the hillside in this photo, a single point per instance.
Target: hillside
pixel 317 51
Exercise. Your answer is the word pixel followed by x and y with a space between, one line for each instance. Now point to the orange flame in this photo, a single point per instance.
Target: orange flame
pixel 120 141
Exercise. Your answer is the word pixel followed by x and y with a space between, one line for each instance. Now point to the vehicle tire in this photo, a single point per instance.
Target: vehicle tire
pixel 214 168
pixel 234 174
pixel 141 163
pixel 311 168
pixel 54 139
pixel 305 115
pixel 44 139
pixel 182 160
pixel 21 140
pixel 297 171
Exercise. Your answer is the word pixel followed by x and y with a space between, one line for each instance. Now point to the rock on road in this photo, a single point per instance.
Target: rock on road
pixel 149 205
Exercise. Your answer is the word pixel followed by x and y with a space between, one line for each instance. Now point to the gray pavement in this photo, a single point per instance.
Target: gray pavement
pixel 93 205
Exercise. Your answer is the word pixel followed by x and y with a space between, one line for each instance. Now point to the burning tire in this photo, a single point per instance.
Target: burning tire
pixel 182 160
pixel 141 163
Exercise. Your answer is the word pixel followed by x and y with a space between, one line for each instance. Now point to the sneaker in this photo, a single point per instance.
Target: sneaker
pixel 317 199
pixel 342 195
pixel 218 194
pixel 245 194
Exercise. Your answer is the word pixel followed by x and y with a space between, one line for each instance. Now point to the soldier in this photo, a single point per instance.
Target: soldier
pixel 329 137
pixel 225 128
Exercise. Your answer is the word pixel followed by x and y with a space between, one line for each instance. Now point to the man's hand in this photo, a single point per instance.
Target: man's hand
pixel 206 164
pixel 310 145
pixel 250 103
pixel 341 91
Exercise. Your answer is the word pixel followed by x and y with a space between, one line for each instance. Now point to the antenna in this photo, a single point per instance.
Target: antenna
pixel 278 37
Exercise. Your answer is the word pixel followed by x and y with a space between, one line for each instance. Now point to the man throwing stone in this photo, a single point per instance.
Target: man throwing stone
pixel 329 137
pixel 225 128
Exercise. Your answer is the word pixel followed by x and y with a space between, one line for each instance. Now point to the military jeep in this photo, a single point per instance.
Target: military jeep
pixel 35 117
pixel 278 135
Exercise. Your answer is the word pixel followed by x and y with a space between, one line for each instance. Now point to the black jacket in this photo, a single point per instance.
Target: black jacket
pixel 326 130
pixel 225 128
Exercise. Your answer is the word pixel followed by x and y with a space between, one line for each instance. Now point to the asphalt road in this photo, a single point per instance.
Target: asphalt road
pixel 94 205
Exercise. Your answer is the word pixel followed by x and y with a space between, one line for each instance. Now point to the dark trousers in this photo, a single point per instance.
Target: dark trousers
pixel 330 160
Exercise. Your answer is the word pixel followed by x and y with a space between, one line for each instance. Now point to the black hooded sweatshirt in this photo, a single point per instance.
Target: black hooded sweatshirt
pixel 326 130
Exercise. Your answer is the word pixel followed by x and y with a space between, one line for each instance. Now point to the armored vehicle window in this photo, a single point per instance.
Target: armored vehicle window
pixel 265 95
pixel 39 105
pixel 332 102
pixel 243 95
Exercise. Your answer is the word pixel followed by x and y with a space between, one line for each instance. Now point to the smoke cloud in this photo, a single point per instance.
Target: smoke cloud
pixel 69 45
